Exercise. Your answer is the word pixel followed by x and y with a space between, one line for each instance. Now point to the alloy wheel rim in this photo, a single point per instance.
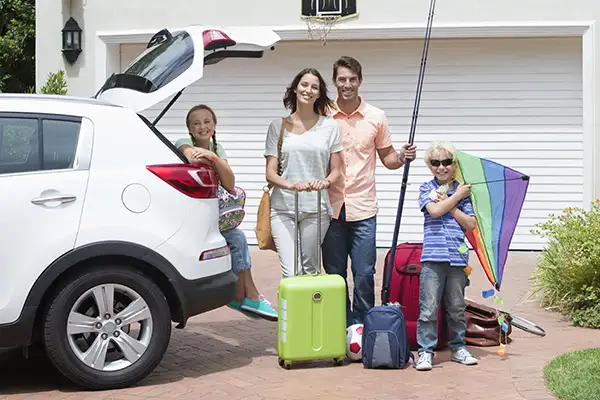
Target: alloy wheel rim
pixel 109 327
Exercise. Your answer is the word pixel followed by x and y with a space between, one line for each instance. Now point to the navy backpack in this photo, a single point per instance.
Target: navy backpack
pixel 384 340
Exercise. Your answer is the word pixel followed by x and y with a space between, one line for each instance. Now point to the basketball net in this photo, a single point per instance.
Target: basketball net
pixel 319 27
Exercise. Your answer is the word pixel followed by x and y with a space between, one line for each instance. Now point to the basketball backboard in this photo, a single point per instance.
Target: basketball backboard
pixel 329 8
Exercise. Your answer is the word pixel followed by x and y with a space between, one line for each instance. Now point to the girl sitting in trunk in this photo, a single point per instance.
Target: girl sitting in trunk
pixel 202 147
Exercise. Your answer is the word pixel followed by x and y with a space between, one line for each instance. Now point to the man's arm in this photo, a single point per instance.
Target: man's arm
pixel 390 158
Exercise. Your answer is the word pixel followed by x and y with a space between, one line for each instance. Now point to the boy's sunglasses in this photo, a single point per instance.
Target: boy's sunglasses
pixel 436 163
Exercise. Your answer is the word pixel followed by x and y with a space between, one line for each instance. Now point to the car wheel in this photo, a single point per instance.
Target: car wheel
pixel 107 328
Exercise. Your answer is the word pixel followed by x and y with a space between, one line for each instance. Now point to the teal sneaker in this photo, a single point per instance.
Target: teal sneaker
pixel 238 307
pixel 262 308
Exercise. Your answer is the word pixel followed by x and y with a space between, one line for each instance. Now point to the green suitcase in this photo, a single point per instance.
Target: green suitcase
pixel 312 312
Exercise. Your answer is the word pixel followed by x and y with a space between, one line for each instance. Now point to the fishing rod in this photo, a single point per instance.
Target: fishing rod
pixel 385 292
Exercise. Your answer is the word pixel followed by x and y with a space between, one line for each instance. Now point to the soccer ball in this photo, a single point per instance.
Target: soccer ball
pixel 354 342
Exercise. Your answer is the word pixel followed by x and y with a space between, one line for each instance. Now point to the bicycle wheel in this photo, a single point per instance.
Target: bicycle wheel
pixel 527 326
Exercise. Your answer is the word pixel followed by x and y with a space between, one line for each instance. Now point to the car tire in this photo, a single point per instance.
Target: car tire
pixel 76 307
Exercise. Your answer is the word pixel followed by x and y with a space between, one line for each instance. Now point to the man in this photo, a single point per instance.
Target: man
pixel 364 133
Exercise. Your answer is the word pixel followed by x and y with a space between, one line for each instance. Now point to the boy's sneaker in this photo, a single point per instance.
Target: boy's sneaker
pixel 463 356
pixel 262 308
pixel 425 362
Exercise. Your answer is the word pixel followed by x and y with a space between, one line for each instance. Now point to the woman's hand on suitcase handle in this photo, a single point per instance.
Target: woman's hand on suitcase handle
pixel 302 186
pixel 319 184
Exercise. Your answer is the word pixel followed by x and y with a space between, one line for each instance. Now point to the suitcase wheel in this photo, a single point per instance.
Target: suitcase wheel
pixel 339 361
pixel 285 364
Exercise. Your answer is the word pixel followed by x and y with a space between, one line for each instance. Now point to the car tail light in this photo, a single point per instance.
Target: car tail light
pixel 215 39
pixel 197 181
pixel 215 253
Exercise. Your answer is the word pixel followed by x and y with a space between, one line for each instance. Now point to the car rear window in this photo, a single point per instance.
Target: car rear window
pixel 157 66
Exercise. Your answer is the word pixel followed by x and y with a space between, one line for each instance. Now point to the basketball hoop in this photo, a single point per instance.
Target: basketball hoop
pixel 319 27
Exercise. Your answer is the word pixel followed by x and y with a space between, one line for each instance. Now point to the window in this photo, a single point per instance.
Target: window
pixel 20 144
pixel 60 143
pixel 156 67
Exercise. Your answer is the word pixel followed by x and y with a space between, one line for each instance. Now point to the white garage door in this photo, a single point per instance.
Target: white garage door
pixel 515 101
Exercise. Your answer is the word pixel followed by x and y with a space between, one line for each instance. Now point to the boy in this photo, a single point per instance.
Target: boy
pixel 448 213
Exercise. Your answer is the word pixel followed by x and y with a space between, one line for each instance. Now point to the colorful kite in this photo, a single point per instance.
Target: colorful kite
pixel 498 193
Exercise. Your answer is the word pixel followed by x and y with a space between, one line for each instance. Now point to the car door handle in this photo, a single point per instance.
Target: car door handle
pixel 52 199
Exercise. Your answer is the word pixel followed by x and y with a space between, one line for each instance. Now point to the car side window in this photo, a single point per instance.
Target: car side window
pixel 60 139
pixel 19 145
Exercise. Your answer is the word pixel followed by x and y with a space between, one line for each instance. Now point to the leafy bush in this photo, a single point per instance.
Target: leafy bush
pixel 567 277
pixel 55 84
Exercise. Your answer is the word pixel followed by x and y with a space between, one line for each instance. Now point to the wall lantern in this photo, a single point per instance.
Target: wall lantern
pixel 71 40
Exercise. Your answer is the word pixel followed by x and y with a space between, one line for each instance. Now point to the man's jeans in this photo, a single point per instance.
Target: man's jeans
pixel 437 280
pixel 356 239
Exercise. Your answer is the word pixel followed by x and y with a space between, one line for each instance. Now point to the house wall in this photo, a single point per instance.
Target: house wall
pixel 111 15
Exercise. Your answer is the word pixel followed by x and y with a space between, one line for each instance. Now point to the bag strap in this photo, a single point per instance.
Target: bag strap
pixel 279 145
pixel 268 188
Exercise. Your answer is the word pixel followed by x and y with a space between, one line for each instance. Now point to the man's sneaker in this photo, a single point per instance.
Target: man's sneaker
pixel 238 307
pixel 261 307
pixel 463 356
pixel 425 362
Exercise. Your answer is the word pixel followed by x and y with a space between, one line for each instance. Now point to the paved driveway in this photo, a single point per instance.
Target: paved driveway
pixel 225 355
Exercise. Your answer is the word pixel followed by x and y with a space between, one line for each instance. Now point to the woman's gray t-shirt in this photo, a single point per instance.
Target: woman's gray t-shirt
pixel 304 157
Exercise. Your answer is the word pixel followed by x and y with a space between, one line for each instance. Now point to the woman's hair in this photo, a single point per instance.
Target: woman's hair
pixel 322 104
pixel 214 117
pixel 440 146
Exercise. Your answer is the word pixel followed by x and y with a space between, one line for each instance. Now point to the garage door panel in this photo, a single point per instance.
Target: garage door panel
pixel 515 101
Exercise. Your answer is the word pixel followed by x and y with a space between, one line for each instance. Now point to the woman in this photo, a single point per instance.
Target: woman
pixel 310 160
pixel 202 147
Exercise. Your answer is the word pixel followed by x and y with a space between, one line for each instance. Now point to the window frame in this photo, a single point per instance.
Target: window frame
pixel 40 117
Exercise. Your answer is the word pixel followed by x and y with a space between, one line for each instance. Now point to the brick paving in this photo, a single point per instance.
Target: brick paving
pixel 225 355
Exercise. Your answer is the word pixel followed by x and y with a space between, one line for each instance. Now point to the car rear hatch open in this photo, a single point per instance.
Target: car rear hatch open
pixel 171 62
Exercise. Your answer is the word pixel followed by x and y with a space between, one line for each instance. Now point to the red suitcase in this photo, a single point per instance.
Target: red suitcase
pixel 404 289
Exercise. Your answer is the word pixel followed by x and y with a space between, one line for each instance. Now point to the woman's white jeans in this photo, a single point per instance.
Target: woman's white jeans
pixel 283 229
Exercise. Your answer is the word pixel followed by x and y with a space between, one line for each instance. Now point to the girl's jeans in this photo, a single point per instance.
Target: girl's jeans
pixel 437 280
pixel 240 253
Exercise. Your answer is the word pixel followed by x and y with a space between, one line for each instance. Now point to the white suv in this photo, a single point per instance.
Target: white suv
pixel 109 235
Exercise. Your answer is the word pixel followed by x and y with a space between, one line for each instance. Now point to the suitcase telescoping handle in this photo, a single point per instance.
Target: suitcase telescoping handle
pixel 298 239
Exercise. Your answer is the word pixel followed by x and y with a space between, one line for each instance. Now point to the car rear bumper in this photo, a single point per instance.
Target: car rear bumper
pixel 202 295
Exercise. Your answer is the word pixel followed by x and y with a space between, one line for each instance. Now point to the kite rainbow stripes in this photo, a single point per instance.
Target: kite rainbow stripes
pixel 498 193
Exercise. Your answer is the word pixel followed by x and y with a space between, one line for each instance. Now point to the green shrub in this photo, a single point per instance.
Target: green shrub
pixel 55 84
pixel 567 276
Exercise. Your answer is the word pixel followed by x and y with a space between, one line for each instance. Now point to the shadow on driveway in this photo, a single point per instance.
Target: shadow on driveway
pixel 200 349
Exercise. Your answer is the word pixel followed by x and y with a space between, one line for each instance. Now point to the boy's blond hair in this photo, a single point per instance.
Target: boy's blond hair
pixel 438 146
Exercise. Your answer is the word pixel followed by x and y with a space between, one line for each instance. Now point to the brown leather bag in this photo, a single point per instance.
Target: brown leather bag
pixel 482 325
pixel 263 219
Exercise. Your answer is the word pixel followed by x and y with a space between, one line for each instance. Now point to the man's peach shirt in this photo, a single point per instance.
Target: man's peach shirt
pixel 362 133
